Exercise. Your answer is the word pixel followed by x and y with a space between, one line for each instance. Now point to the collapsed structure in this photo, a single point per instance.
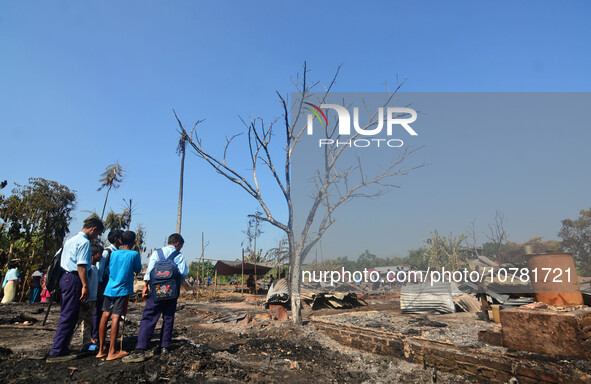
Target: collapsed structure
pixel 547 320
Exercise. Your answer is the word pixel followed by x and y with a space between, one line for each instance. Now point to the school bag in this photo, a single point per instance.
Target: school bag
pixel 54 273
pixel 165 277
pixel 52 281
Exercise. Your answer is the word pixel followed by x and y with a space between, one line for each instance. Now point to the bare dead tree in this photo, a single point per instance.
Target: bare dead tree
pixel 497 235
pixel 333 185
pixel 180 150
pixel 472 238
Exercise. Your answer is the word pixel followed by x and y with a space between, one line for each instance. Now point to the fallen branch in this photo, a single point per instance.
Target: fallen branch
pixel 34 327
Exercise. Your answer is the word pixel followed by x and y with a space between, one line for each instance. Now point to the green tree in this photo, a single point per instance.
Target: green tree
pixel 111 178
pixel 37 216
pixel 120 220
pixel 39 211
pixel 367 260
pixel 116 221
pixel 4 245
pixel 198 269
pixel 576 238
pixel 417 259
pixel 140 239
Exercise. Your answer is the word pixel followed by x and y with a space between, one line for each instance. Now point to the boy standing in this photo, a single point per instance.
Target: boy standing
pixel 154 309
pixel 114 238
pixel 73 284
pixel 123 264
pixel 87 309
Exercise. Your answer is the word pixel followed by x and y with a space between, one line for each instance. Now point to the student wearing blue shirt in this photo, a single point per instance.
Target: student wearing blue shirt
pixel 124 262
pixel 114 238
pixel 75 262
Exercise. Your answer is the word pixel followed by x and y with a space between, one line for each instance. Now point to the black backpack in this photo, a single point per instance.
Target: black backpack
pixel 52 281
pixel 54 273
pixel 165 277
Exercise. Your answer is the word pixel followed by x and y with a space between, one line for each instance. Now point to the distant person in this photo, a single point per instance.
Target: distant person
pixel 208 280
pixel 250 283
pixel 75 262
pixel 45 295
pixel 155 305
pixel 375 285
pixel 114 238
pixel 86 319
pixel 124 263
pixel 36 278
pixel 11 282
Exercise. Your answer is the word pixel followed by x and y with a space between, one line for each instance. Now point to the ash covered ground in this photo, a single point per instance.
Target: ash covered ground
pixel 209 346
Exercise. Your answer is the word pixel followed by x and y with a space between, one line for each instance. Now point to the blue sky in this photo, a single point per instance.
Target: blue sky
pixel 87 84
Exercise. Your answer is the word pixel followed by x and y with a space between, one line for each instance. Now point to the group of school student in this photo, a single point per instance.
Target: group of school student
pixel 95 287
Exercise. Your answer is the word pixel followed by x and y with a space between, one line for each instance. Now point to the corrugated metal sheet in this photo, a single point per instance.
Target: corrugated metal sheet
pixel 278 293
pixel 427 297
pixel 315 298
pixel 468 303
pixel 469 287
pixel 278 287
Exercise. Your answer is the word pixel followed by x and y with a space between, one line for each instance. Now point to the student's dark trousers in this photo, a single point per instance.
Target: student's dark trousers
pixel 98 311
pixel 35 295
pixel 150 317
pixel 71 287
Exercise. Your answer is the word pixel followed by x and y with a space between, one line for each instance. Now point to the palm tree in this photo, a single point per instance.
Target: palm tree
pixel 111 178
pixel 116 221
pixel 128 212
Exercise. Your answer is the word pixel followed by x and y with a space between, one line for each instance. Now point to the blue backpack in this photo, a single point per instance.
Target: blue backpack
pixel 165 277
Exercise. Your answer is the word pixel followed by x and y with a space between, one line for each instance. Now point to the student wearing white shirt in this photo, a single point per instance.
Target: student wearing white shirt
pixel 76 262
pixel 87 309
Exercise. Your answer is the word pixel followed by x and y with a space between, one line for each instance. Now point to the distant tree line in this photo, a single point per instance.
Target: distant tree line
pixel 449 252
pixel 35 220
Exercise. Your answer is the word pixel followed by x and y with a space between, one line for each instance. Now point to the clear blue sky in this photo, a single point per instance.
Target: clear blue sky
pixel 87 84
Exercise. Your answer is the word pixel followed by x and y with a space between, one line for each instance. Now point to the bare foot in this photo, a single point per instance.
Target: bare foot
pixel 117 355
pixel 101 354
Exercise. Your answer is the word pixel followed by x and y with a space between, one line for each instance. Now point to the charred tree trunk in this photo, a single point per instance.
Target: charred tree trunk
pixel 295 277
pixel 180 208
